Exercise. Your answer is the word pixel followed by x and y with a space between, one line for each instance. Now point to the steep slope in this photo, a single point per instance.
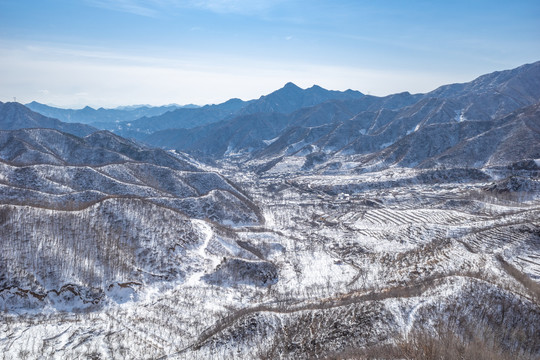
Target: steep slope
pixel 224 138
pixel 356 124
pixel 86 221
pixel 484 99
pixel 397 227
pixel 516 139
pixel 47 168
pixel 474 144
pixel 429 141
pixel 264 128
pixel 520 83
pixel 72 260
pixel 16 116
pixel 394 267
pixel 420 131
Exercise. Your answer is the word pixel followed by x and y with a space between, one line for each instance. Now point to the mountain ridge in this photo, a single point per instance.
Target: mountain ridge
pixel 89 115
pixel 358 127
pixel 17 116
pixel 371 227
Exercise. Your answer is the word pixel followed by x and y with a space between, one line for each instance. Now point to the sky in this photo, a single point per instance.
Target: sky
pixel 107 53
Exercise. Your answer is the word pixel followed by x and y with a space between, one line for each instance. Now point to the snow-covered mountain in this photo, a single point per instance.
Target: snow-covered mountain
pixel 365 131
pixel 85 220
pixel 253 133
pixel 359 227
pixel 502 142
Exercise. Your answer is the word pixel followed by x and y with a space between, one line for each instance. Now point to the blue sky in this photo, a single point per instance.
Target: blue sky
pixel 74 53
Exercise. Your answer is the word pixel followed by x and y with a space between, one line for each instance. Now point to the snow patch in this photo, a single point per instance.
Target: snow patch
pixel 459 115
pixel 268 142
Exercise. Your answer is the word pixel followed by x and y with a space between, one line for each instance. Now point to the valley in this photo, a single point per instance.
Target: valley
pixel 330 275
pixel 304 224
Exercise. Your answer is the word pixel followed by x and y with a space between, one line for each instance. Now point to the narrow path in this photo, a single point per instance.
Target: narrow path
pixel 532 286
pixel 207 232
pixel 292 306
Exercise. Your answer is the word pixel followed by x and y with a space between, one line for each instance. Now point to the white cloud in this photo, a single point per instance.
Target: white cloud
pixel 155 8
pixel 75 77
pixel 235 6
pixel 137 7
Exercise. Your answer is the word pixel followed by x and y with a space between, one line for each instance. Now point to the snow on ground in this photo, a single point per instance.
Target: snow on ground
pixel 324 247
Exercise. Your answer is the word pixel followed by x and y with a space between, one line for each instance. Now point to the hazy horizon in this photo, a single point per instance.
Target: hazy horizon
pixel 107 54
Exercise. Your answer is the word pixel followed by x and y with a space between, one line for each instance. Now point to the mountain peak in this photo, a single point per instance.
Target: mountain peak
pixel 16 105
pixel 291 86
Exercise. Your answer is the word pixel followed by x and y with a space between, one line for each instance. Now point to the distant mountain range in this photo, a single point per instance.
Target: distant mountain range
pixel 15 116
pixel 90 219
pixel 370 132
pixel 335 130
pixel 102 116
pixel 254 132
pixel 285 100
pixel 306 223
pixel 178 118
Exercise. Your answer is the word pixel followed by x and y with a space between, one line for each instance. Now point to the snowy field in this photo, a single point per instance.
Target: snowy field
pixel 341 265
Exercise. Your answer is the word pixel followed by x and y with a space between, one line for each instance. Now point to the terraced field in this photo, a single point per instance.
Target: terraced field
pixel 358 275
